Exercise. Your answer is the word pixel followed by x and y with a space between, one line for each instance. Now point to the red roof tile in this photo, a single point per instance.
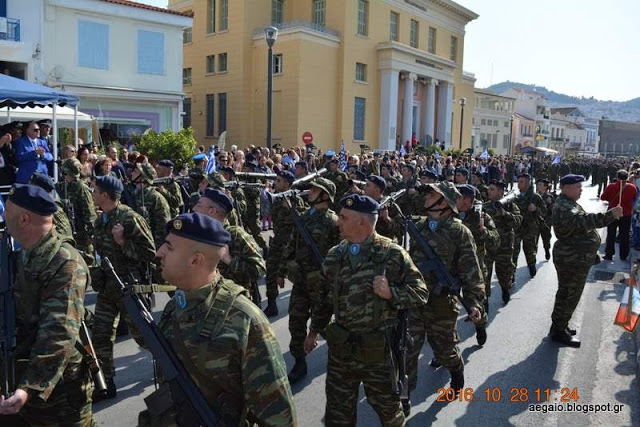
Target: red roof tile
pixel 148 7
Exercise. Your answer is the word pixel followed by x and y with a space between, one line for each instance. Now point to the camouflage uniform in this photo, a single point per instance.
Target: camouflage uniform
pixel 406 201
pixel 251 217
pixel 527 234
pixel 51 280
pixel 366 320
pixel 240 367
pixel 216 180
pixel 453 243
pixel 506 222
pixel 574 253
pixel 153 207
pixel 127 260
pixel 545 222
pixel 61 222
pixel 173 195
pixel 340 180
pixel 247 266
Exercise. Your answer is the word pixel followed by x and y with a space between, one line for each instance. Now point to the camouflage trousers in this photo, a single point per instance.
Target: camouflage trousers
pixel 529 240
pixel 545 234
pixel 304 296
pixel 68 405
pixel 344 376
pixel 439 320
pixel 251 224
pixel 571 281
pixel 602 184
pixel 504 268
pixel 274 257
pixel 109 308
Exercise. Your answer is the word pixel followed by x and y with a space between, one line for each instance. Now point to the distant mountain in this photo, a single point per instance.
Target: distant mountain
pixel 627 111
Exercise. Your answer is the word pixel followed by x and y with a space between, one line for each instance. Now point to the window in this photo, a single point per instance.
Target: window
pixel 505 141
pixel 211 64
pixel 186 76
pixel 483 121
pixel 186 108
pixel 393 26
pixel 277 64
pixel 483 138
pixel 222 62
pixel 495 123
pixel 210 106
pixel 186 35
pixel 224 15
pixel 432 40
pixel 494 141
pixel 277 11
pixel 211 16
pixel 150 52
pixel 453 54
pixel 361 72
pixel 363 17
pixel 222 112
pixel 93 45
pixel 413 36
pixel 506 124
pixel 319 12
pixel 358 119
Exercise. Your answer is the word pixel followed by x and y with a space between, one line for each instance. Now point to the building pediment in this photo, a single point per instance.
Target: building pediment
pixel 398 56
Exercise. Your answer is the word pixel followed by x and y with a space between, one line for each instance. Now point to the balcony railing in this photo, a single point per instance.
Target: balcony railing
pixel 299 24
pixel 10 29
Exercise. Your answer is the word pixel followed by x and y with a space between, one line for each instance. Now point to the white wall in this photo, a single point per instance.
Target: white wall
pixel 29 12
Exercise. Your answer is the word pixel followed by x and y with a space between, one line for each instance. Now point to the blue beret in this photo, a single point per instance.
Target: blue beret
pixel 463 171
pixel 200 228
pixel 571 179
pixel 379 181
pixel 330 153
pixel 524 175
pixel 33 198
pixel 358 203
pixel 227 169
pixel 360 175
pixel 288 175
pixel 303 164
pixel 45 122
pixel 219 197
pixel 429 174
pixel 386 165
pixel 497 183
pixel 110 183
pixel 43 181
pixel 198 157
pixel 410 166
pixel 544 181
pixel 166 163
pixel 467 190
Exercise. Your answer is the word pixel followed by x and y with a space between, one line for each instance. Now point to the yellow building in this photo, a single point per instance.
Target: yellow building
pixel 362 71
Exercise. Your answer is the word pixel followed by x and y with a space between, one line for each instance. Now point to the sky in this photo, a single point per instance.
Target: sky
pixel 576 47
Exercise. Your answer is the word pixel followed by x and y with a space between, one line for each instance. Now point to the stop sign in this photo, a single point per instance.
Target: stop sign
pixel 307 138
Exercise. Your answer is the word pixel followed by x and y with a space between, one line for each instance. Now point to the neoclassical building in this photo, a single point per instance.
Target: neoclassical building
pixel 363 71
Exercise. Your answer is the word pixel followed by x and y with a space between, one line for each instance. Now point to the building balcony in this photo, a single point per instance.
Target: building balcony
pixel 300 25
pixel 559 139
pixel 10 29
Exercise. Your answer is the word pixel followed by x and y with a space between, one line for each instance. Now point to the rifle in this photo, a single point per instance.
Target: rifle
pixel 190 403
pixel 508 198
pixel 273 198
pixel 255 175
pixel 85 345
pixel 391 198
pixel 351 182
pixel 8 318
pixel 232 185
pixel 306 236
pixel 170 179
pixel 309 177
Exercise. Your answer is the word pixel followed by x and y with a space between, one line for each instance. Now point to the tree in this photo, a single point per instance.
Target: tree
pixel 178 147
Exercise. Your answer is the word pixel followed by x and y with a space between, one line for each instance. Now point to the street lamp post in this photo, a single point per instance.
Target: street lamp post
pixel 510 134
pixel 463 101
pixel 270 34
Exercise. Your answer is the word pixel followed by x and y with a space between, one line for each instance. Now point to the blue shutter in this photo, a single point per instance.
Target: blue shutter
pixel 93 45
pixel 358 119
pixel 3 8
pixel 210 107
pixel 150 52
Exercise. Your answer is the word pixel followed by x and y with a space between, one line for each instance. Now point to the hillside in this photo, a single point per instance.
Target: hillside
pixel 627 111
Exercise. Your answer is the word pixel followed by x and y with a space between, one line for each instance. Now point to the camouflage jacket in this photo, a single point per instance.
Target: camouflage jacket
pixel 549 199
pixel 283 221
pixel 251 200
pixel 340 180
pixel 506 223
pixel 406 201
pixel 138 247
pixel 247 264
pixel 530 219
pixel 241 357
pixel 79 196
pixel 155 210
pixel 50 282
pixel 356 307
pixel 487 240
pixel 173 195
pixel 394 228
pixel 61 222
pixel 578 240
pixel 453 243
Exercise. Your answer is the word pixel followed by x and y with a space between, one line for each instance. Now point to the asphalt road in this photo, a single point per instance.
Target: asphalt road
pixel 506 378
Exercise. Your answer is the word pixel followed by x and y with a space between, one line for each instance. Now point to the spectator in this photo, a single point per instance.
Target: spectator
pixel 619 193
pixel 32 154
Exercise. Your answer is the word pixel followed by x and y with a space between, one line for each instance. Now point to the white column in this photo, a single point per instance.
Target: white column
pixel 75 125
pixel 445 94
pixel 54 141
pixel 407 108
pixel 388 110
pixel 430 111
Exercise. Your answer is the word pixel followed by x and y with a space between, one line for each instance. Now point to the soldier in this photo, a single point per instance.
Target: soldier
pixel 53 384
pixel 369 278
pixel 339 179
pixel 478 183
pixel 461 176
pixel 282 228
pixel 242 262
pixel 389 219
pixel 453 243
pixel 532 208
pixel 149 202
pixel 170 191
pixel 251 218
pixel 574 253
pixel 543 188
pixel 124 236
pixel 301 169
pixel 507 219
pixel 386 171
pixel 240 369
pixel 304 271
pixel 409 179
pixel 60 220
pixel 486 238
pixel 78 195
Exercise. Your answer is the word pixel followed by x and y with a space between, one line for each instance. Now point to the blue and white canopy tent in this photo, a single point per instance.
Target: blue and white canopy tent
pixel 15 93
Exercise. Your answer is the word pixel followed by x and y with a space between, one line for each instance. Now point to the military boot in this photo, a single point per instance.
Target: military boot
pixel 486 305
pixel 564 337
pixel 123 329
pixel 506 295
pixel 109 393
pixel 547 254
pixel 457 380
pixel 532 270
pixel 434 363
pixel 272 307
pixel 481 335
pixel 298 371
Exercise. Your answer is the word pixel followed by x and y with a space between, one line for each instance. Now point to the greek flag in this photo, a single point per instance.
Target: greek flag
pixel 437 154
pixel 343 156
pixel 556 160
pixel 402 150
pixel 211 163
pixel 485 154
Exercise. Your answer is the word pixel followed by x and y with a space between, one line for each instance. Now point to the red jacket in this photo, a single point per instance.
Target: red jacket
pixel 611 194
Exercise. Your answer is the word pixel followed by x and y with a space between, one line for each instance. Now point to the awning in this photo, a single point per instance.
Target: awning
pixel 16 92
pixel 545 150
pixel 64 116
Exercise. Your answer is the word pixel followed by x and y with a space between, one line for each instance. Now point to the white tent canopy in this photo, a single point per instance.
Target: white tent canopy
pixel 63 114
